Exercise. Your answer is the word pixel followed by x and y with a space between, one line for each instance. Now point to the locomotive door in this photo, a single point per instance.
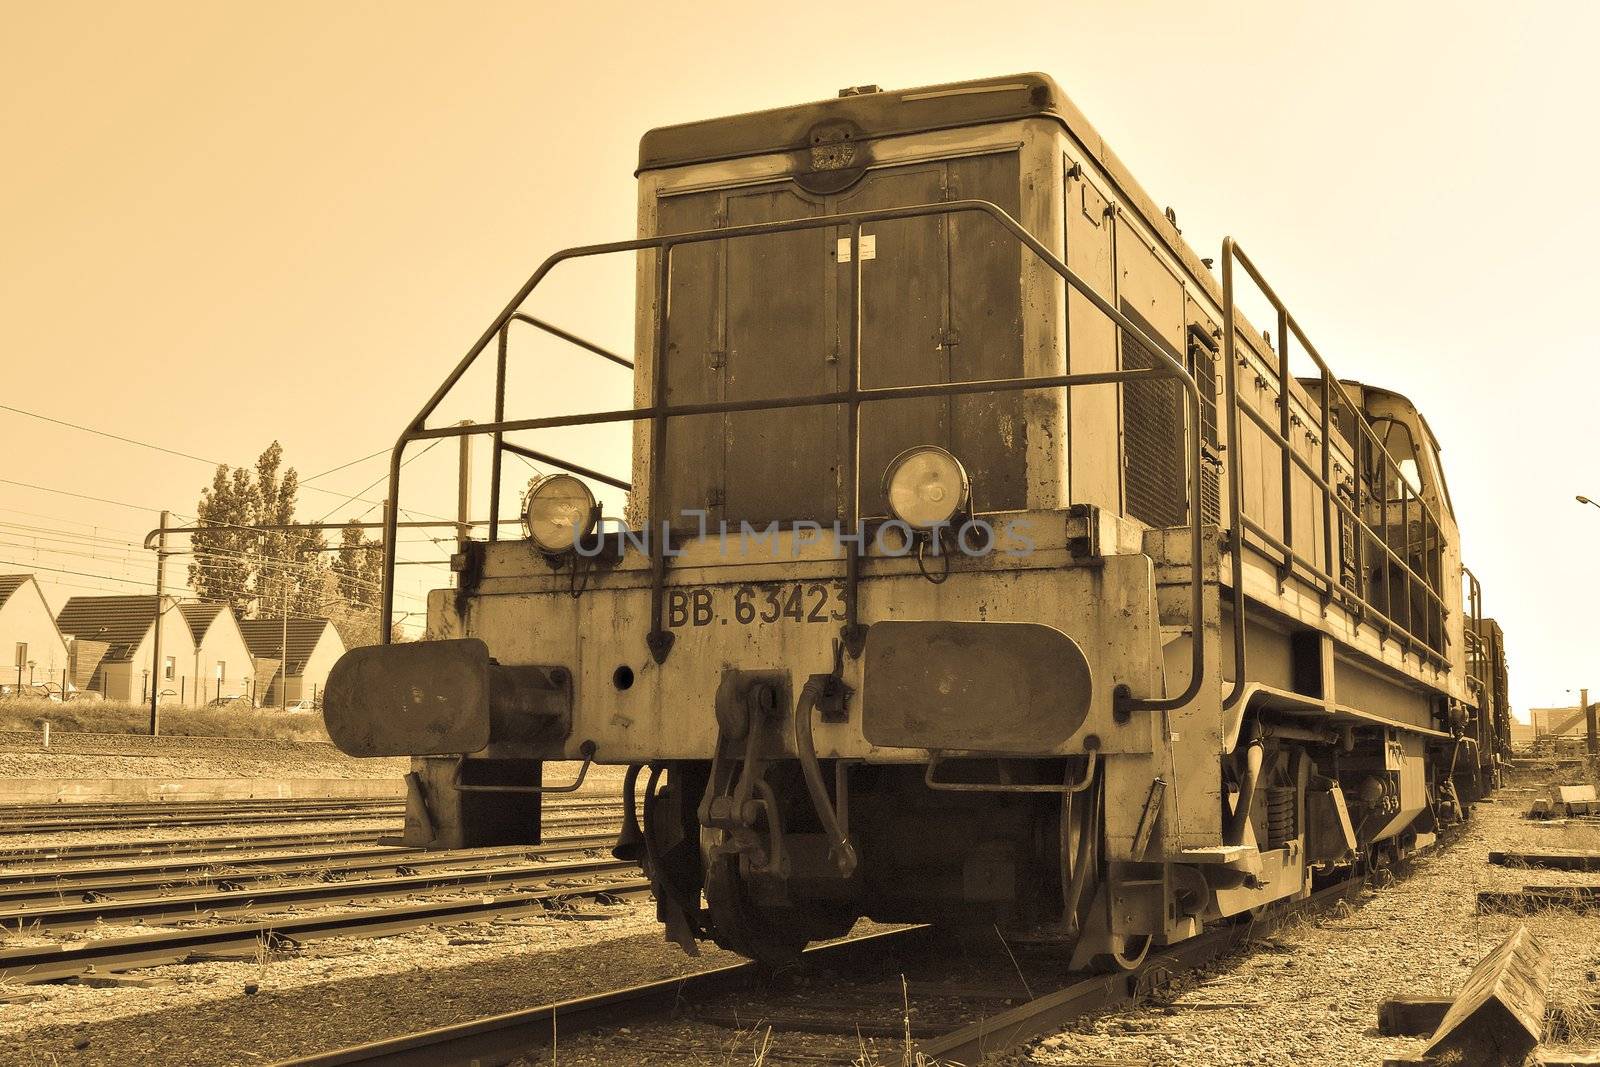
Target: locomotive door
pixel 941 301
pixel 769 316
pixel 904 308
pixel 780 463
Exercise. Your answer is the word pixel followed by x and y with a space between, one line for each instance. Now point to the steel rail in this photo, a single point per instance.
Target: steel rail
pixel 207 903
pixel 387 823
pixel 129 849
pixel 69 807
pixel 204 903
pixel 1170 365
pixel 233 845
pixel 1051 1012
pixel 175 810
pixel 235 875
pixel 499 1039
pixel 149 822
pixel 54 962
pixel 119 816
pixel 244 808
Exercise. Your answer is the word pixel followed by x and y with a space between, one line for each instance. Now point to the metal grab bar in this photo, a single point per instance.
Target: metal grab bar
pixel 1170 365
pixel 586 750
pixel 1002 772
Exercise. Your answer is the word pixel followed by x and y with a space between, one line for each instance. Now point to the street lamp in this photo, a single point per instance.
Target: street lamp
pixel 1585 500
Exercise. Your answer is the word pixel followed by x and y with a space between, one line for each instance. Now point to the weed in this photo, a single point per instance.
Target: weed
pixel 111 717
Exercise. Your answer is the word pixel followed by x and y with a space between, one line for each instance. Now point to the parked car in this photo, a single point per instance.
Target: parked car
pixel 228 702
pixel 304 705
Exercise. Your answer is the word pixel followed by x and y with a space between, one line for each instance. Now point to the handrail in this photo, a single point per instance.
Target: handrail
pixel 659 412
pixel 603 353
pixel 1331 503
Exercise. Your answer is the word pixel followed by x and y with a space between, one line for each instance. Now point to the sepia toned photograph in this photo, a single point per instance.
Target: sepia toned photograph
pixel 740 536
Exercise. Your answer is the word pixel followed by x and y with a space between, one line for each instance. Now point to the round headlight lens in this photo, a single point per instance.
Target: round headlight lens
pixel 558 510
pixel 926 487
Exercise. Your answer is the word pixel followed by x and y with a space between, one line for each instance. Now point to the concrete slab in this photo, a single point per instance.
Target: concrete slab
pixel 148 790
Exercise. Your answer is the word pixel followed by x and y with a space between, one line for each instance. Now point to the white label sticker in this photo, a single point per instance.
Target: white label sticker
pixel 869 248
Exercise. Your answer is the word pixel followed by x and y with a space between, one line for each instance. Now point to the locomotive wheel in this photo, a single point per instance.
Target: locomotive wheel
pixel 772 936
pixel 1129 955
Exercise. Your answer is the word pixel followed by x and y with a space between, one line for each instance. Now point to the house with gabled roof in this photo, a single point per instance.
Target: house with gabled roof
pixel 126 625
pixel 314 646
pixel 32 651
pixel 223 666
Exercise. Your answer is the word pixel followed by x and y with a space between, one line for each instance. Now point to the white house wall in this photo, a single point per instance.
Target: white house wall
pixel 25 617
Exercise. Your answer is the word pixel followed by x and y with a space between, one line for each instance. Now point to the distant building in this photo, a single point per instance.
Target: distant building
pixel 127 626
pixel 1522 735
pixel 32 650
pixel 222 663
pixel 314 647
pixel 1559 722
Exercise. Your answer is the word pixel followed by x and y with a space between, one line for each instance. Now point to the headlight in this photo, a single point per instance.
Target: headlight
pixel 557 511
pixel 926 486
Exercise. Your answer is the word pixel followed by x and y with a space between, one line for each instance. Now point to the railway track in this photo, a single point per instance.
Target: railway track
pixel 189 904
pixel 109 955
pixel 231 892
pixel 20 893
pixel 563 815
pixel 108 850
pixel 9 812
pixel 883 986
pixel 140 817
pixel 94 824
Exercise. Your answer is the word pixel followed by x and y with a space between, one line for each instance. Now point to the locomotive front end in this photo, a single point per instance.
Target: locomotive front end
pixel 952 584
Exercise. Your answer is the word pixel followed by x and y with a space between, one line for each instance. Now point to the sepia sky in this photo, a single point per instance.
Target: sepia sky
pixel 223 224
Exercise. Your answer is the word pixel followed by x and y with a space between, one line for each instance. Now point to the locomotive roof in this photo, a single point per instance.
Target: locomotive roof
pixel 871 113
pixel 874 112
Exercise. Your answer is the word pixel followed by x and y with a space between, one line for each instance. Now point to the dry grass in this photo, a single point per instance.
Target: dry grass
pixel 107 717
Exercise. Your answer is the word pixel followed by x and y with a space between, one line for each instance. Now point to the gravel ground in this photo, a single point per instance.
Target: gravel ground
pixel 340 992
pixel 1308 996
pixel 79 755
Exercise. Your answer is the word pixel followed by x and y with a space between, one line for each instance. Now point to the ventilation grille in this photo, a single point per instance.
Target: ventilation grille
pixel 1152 423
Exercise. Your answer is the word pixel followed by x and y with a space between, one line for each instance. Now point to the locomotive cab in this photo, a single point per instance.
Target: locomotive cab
pixel 980 565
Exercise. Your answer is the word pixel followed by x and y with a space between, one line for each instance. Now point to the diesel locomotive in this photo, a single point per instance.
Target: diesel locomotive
pixel 981 564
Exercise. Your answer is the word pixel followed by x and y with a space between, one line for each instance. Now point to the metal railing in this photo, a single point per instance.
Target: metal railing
pixel 1367 446
pixel 659 412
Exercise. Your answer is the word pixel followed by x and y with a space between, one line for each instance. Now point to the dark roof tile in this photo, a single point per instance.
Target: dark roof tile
pixel 265 638
pixel 120 621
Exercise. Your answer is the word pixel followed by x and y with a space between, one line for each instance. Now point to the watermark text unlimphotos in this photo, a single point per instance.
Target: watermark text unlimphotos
pixel 968 536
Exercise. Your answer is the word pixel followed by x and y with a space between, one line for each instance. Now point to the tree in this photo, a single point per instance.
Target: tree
pixel 225 558
pixel 358 567
pixel 254 571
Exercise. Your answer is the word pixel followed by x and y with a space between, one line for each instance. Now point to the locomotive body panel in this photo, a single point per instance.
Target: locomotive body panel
pixel 774 609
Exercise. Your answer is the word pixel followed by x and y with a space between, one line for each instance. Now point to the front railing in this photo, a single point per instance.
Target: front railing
pixel 659 413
